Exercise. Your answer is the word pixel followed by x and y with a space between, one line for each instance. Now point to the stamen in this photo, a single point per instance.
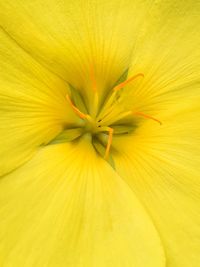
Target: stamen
pixel 110 136
pixel 75 109
pixel 121 85
pixel 147 117
pixel 111 102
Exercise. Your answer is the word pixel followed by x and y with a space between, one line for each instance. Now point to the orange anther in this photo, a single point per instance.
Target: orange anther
pixel 148 117
pixel 121 85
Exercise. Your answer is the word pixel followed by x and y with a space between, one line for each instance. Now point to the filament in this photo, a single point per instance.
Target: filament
pixel 121 85
pixel 148 117
pixel 75 109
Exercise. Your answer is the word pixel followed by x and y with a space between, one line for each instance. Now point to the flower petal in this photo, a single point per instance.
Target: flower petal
pixel 168 54
pixel 33 108
pixel 72 37
pixel 162 165
pixel 67 207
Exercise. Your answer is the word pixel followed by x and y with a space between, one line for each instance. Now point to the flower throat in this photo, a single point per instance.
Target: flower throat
pixel 102 124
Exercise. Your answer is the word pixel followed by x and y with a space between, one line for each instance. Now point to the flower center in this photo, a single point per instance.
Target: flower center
pixel 102 124
pixel 93 126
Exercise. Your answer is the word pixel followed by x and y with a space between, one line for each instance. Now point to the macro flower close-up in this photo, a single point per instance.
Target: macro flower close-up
pixel 99 133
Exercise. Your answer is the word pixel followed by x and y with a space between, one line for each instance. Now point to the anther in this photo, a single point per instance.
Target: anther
pixel 121 85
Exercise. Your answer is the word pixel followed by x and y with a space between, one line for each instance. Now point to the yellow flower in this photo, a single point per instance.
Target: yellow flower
pixel 99 133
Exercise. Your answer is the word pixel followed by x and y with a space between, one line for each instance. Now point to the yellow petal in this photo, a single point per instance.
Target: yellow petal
pixel 33 108
pixel 162 165
pixel 67 207
pixel 168 54
pixel 73 38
